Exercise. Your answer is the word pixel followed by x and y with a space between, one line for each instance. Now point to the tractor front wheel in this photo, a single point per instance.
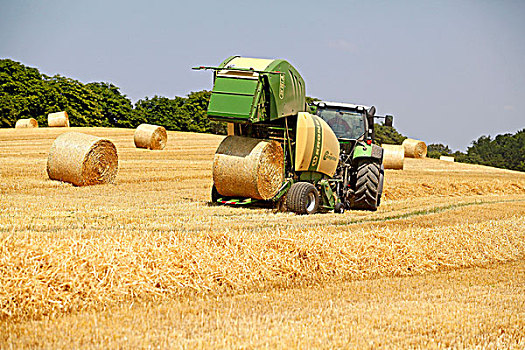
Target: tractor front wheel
pixel 367 185
pixel 302 198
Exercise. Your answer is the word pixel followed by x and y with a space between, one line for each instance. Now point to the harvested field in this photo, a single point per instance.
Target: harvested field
pixel 470 308
pixel 152 236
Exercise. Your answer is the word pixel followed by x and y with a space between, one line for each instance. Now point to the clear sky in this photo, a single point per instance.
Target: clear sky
pixel 449 71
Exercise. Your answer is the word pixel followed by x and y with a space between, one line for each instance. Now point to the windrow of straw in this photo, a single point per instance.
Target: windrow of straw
pixel 58 119
pixel 150 136
pixel 415 148
pixel 393 156
pixel 248 167
pixel 26 123
pixel 62 272
pixel 82 159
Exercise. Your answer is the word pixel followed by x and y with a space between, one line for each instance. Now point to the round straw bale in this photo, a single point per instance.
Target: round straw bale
pixel 82 159
pixel 446 158
pixel 393 156
pixel 415 148
pixel 248 167
pixel 26 123
pixel 150 136
pixel 58 119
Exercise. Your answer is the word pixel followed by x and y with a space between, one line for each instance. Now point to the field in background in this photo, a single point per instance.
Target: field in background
pixel 69 252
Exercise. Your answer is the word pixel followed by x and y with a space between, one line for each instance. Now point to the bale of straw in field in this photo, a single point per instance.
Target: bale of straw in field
pixel 248 167
pixel 82 159
pixel 446 158
pixel 150 136
pixel 26 123
pixel 58 119
pixel 393 156
pixel 415 148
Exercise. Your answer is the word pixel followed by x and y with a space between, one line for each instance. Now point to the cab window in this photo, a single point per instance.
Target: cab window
pixel 345 124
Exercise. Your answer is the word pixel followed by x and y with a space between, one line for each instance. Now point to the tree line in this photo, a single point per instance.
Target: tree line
pixel 505 151
pixel 27 93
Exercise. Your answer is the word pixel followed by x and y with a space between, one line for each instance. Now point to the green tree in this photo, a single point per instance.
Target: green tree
pixel 435 150
pixel 117 109
pixel 194 110
pixel 387 134
pixel 80 102
pixel 161 111
pixel 24 93
pixel 504 151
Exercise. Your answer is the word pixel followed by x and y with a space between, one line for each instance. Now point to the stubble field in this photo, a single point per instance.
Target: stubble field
pixel 129 252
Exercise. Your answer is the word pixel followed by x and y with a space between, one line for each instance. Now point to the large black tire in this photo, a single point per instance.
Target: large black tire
pixel 302 198
pixel 381 183
pixel 367 185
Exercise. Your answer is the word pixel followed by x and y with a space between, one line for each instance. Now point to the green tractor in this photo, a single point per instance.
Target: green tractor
pixel 328 160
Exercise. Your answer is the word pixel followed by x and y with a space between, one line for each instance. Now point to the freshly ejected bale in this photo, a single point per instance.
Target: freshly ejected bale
pixel 150 136
pixel 26 123
pixel 446 158
pixel 82 159
pixel 58 119
pixel 393 156
pixel 415 148
pixel 248 167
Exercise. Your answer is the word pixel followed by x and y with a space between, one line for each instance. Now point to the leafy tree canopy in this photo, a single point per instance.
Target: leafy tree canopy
pixel 435 150
pixel 388 135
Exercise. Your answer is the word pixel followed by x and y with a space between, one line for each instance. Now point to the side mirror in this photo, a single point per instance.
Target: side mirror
pixel 389 120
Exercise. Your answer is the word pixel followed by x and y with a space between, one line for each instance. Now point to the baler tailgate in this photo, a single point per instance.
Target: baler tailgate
pixel 232 98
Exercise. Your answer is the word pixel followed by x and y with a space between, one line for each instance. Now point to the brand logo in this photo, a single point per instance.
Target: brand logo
pixel 281 86
pixel 317 144
pixel 329 156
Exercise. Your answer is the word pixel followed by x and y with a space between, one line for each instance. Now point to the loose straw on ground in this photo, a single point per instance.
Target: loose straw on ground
pixel 82 159
pixel 26 123
pixel 393 156
pixel 58 119
pixel 150 136
pixel 247 167
pixel 415 148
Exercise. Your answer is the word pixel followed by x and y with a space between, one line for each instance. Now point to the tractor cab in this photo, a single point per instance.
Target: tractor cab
pixel 348 121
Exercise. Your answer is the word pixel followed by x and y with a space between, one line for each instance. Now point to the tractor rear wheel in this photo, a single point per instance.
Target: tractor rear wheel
pixel 367 185
pixel 302 198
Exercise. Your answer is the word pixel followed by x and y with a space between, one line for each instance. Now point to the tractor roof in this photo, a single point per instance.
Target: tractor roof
pixel 341 105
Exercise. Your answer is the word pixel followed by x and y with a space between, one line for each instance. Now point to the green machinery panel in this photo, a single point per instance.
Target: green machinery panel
pixel 251 90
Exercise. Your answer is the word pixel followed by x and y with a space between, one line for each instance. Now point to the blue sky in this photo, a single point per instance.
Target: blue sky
pixel 449 71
